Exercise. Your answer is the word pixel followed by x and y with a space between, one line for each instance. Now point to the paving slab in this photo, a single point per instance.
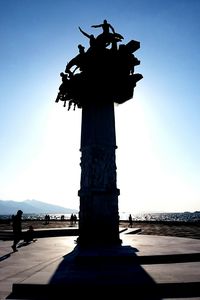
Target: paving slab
pixel 156 267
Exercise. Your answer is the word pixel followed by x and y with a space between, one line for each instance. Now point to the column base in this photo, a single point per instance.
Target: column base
pixel 99 218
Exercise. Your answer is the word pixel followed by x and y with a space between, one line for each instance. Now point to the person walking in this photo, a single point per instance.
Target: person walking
pixel 17 229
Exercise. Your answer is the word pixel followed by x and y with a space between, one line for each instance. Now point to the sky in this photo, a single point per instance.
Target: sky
pixel 157 132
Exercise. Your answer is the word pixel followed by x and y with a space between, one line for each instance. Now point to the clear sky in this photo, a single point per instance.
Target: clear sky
pixel 158 154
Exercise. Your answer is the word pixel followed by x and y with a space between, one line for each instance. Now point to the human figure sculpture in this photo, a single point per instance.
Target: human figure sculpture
pixel 63 87
pixel 77 60
pixel 100 69
pixel 91 37
pixel 108 37
pixel 105 26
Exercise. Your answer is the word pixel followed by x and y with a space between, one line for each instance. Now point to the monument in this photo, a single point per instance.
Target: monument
pixel 93 81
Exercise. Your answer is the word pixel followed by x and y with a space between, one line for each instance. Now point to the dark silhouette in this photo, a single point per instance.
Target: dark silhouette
pixel 105 26
pixel 46 219
pixel 5 256
pixel 63 87
pixel 17 229
pixel 29 235
pixel 91 37
pixel 75 219
pixel 100 73
pixel 78 60
pixel 130 221
pixel 125 267
pixel 108 37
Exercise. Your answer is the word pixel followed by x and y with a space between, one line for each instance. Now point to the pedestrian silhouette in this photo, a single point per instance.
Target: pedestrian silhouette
pixel 17 229
pixel 130 221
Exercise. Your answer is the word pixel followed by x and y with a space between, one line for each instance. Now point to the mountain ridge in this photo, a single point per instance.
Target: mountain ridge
pixel 10 207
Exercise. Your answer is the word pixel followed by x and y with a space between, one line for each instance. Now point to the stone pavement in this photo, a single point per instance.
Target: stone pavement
pixel 153 267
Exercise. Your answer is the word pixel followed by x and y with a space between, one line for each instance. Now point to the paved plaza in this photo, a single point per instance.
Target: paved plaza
pixel 144 263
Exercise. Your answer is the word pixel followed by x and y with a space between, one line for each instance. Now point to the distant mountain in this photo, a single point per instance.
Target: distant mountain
pixel 10 207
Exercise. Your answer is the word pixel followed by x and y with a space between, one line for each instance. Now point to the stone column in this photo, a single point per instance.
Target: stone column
pixel 99 216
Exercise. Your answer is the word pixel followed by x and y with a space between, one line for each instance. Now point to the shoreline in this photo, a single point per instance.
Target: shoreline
pixel 162 228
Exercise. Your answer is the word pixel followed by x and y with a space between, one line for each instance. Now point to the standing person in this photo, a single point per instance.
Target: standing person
pixel 130 221
pixel 17 229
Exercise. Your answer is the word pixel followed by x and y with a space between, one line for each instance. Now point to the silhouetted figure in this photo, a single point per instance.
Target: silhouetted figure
pixel 47 219
pixel 75 219
pixel 77 61
pixel 90 37
pixel 29 235
pixel 63 87
pixel 17 229
pixel 71 220
pixel 104 73
pixel 106 27
pixel 108 37
pixel 130 221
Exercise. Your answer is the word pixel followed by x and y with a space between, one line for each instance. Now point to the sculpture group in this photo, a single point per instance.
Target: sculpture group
pixel 103 72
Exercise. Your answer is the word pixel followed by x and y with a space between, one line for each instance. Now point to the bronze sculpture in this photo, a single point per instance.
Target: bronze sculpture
pixel 106 69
